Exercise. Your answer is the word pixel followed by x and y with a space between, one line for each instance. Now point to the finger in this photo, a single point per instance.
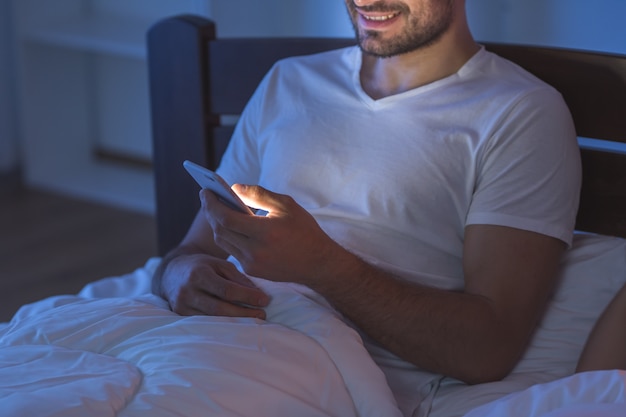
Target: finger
pixel 234 232
pixel 232 286
pixel 261 198
pixel 186 310
pixel 222 221
pixel 199 296
pixel 234 292
pixel 231 272
pixel 212 204
pixel 221 217
pixel 212 306
pixel 222 308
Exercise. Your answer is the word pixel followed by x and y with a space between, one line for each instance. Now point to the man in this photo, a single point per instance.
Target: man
pixel 424 186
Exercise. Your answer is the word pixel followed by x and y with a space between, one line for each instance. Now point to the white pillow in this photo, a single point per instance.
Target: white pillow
pixel 587 394
pixel 592 271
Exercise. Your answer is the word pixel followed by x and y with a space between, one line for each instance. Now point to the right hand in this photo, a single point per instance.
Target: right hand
pixel 202 284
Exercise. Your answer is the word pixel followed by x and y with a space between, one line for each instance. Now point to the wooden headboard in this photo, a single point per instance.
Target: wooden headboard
pixel 200 83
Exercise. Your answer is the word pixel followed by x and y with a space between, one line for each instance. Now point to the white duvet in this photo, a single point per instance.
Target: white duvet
pixel 79 356
pixel 97 354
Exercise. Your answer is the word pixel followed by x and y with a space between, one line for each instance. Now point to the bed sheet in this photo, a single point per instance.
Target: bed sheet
pixel 588 394
pixel 75 355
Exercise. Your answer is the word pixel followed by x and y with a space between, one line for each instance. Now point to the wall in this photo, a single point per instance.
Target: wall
pixel 8 125
pixel 570 23
pixel 566 23
pixel 587 24
pixel 149 9
pixel 281 18
pixel 580 24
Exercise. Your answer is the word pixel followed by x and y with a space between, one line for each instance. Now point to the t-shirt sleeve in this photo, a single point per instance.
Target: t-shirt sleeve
pixel 529 175
pixel 241 161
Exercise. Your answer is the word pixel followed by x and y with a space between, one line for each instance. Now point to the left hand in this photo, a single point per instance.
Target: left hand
pixel 285 245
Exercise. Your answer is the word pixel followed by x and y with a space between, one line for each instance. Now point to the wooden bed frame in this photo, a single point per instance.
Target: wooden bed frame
pixel 200 83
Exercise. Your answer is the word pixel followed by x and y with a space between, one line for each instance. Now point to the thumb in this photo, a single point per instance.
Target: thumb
pixel 259 197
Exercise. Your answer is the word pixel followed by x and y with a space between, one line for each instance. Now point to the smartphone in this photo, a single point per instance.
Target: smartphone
pixel 210 180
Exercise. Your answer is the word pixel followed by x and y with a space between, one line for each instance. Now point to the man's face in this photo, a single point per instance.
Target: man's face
pixel 385 28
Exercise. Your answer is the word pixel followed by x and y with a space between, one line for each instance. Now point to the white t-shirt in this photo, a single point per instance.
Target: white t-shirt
pixel 396 180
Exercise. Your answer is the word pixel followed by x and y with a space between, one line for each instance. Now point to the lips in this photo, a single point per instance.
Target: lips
pixel 377 20
pixel 380 18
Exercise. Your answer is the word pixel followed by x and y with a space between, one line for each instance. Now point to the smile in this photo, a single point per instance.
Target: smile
pixel 378 18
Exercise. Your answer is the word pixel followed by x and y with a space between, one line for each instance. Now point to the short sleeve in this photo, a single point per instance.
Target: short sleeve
pixel 529 174
pixel 241 161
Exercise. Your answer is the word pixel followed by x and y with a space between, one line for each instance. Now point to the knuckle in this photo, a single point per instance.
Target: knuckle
pixel 193 279
pixel 227 292
pixel 287 200
pixel 179 301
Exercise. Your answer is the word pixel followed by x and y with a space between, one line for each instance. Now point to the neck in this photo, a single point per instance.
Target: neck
pixel 382 77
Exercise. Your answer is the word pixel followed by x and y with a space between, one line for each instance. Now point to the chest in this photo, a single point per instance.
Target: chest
pixel 384 159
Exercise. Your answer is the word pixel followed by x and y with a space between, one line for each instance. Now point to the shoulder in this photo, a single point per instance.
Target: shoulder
pixel 332 63
pixel 309 76
pixel 510 92
pixel 510 78
pixel 332 56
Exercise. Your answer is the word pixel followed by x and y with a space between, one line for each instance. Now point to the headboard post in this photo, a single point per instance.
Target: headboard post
pixel 178 95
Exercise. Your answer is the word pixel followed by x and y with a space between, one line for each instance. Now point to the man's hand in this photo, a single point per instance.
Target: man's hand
pixel 202 284
pixel 285 245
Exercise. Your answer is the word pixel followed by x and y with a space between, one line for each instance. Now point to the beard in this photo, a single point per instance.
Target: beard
pixel 421 30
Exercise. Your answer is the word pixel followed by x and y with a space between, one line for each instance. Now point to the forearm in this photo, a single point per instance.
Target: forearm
pixel 475 335
pixel 451 333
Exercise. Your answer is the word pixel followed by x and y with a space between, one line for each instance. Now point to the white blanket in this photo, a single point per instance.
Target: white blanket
pixel 589 394
pixel 96 354
pixel 79 356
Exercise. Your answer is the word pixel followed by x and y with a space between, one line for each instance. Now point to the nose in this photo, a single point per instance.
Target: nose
pixel 361 3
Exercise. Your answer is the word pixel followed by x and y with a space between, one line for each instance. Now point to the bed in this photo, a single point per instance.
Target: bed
pixel 116 350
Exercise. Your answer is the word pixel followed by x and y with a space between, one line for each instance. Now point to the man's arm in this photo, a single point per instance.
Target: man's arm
pixel 476 335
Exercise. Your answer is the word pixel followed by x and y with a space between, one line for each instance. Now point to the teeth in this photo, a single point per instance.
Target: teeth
pixel 380 18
